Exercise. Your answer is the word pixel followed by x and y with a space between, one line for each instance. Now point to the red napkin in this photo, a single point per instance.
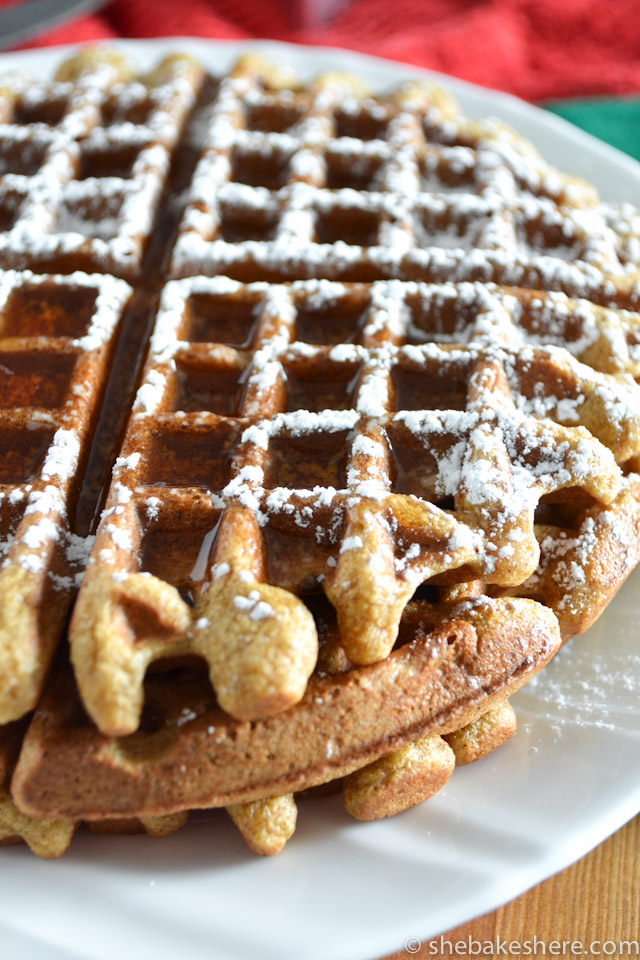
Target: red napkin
pixel 534 48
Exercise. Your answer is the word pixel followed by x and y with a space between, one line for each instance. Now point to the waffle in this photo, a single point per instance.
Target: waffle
pixel 298 499
pixel 585 554
pixel 47 837
pixel 377 465
pixel 84 161
pixel 329 182
pixel 455 662
pixel 56 341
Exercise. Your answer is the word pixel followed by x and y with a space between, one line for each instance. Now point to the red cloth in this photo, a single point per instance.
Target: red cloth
pixel 535 48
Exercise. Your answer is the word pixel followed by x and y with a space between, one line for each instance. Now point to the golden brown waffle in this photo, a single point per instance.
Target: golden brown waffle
pixel 84 160
pixel 47 837
pixel 347 717
pixel 363 490
pixel 361 470
pixel 329 181
pixel 56 340
pixel 454 662
pixel 50 837
pixel 585 554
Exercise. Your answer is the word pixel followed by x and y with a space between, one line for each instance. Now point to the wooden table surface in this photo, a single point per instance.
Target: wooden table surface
pixel 596 899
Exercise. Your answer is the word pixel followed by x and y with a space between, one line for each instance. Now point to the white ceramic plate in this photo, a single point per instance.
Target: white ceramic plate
pixel 342 889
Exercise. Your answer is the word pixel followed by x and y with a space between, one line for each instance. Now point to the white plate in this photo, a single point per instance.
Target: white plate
pixel 342 889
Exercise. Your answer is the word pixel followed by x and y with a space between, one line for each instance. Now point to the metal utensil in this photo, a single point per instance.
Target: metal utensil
pixel 21 20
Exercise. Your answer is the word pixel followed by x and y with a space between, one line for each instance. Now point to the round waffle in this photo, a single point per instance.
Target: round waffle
pixel 378 463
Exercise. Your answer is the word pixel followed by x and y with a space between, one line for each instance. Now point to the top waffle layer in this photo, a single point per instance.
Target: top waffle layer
pixel 84 160
pixel 277 180
pixel 342 399
pixel 360 470
pixel 327 181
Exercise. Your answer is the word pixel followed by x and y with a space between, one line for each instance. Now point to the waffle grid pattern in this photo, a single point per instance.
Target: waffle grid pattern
pixel 353 461
pixel 84 161
pixel 307 460
pixel 329 183
pixel 49 398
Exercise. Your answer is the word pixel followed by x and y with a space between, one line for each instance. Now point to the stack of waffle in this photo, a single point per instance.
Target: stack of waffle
pixel 350 383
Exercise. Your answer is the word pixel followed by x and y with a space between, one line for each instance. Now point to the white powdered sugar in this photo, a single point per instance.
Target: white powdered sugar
pixel 153 507
pixel 62 457
pixel 351 543
pixel 127 463
pixel 255 608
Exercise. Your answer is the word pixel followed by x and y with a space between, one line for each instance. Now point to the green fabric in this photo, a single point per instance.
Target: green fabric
pixel 615 120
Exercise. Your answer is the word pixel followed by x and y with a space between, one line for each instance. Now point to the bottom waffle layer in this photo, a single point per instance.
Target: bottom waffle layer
pixel 455 663
pixel 388 734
